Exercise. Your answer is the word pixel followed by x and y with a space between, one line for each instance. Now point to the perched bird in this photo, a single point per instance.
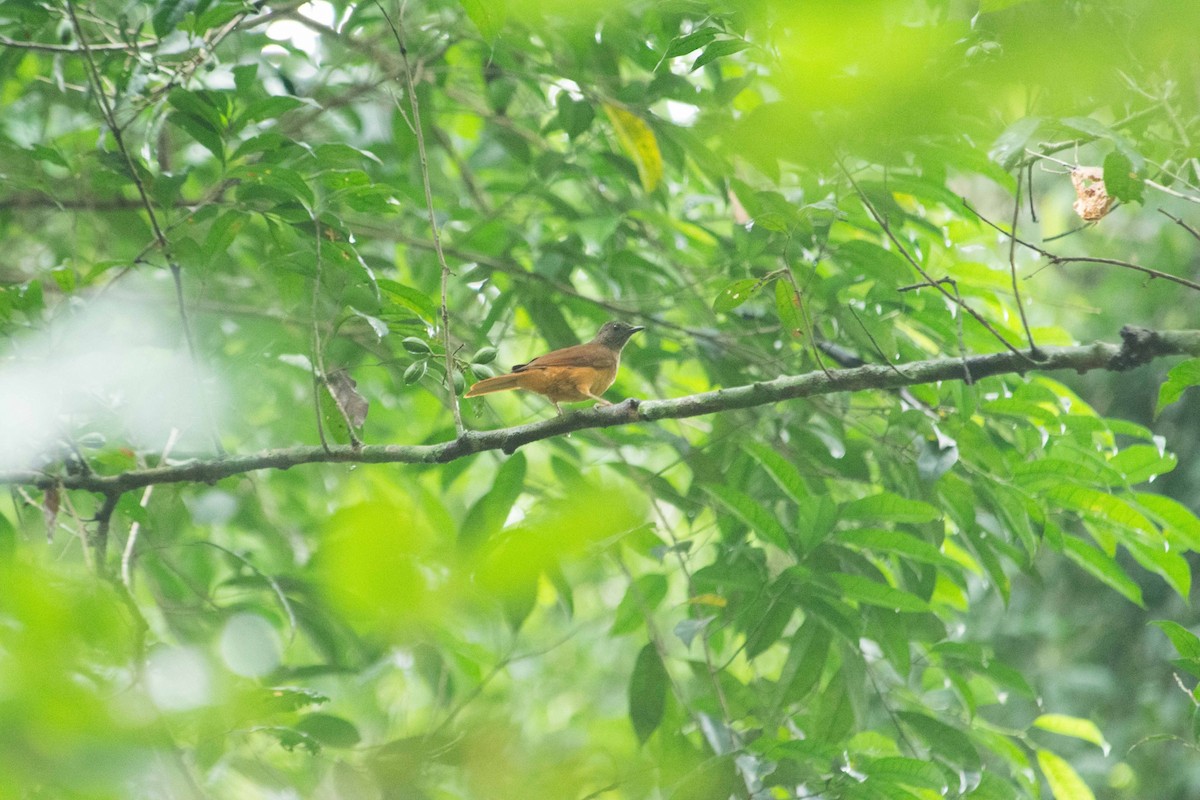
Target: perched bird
pixel 581 372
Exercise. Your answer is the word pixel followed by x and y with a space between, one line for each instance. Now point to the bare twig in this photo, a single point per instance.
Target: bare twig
pixel 1195 233
pixel 410 88
pixel 1155 185
pixel 1012 266
pixel 1057 259
pixel 135 528
pixel 46 47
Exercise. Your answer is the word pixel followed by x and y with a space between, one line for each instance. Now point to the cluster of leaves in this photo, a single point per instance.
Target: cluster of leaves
pixel 781 603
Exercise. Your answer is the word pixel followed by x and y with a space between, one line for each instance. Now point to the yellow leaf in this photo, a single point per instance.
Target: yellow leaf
pixel 639 144
pixel 1065 783
pixel 709 600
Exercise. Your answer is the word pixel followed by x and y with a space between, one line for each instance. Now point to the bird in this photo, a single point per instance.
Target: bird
pixel 572 374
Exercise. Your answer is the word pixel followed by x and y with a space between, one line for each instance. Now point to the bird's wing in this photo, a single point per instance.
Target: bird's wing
pixel 580 355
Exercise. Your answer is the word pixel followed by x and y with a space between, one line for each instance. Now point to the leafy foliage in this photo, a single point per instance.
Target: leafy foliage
pixel 226 226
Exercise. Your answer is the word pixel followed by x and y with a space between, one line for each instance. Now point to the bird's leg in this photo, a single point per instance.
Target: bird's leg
pixel 600 401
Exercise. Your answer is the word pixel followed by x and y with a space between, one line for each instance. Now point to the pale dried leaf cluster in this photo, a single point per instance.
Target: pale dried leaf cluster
pixel 1092 200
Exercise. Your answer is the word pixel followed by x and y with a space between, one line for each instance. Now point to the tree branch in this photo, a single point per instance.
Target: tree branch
pixel 1139 346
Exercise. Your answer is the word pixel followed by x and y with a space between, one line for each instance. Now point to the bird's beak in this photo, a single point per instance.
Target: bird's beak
pixel 636 328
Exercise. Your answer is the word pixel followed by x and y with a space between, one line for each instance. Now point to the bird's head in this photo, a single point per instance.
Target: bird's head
pixel 615 334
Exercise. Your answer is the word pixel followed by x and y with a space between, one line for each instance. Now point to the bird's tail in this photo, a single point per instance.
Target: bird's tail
pixel 500 383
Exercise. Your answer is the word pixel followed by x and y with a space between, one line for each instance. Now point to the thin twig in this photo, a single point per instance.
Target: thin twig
pixel 962 344
pixel 46 47
pixel 274 584
pixel 1172 192
pixel 176 272
pixel 136 527
pixel 882 355
pixel 410 88
pixel 1113 262
pixel 1195 233
pixel 1012 267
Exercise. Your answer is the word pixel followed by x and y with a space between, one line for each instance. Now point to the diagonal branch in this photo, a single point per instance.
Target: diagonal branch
pixel 1139 346
pixel 882 221
pixel 110 119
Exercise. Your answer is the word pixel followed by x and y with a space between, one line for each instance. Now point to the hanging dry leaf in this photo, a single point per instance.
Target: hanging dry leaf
pixel 354 406
pixel 1092 201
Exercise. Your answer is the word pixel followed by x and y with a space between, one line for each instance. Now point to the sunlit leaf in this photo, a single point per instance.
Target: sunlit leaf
pixel 1064 781
pixel 1074 727
pixel 639 143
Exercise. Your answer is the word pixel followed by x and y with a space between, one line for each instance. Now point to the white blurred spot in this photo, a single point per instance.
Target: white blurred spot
pixel 214 507
pixel 250 645
pixel 114 369
pixel 178 678
pixel 301 36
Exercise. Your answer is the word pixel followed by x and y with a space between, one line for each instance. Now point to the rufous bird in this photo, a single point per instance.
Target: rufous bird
pixel 572 374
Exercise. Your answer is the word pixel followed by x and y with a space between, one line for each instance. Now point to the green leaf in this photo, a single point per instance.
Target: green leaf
pixel 1143 462
pixel 574 116
pixel 869 592
pixel 1182 376
pixel 682 45
pixel 909 772
pixel 487 517
pixel 487 15
pixel 719 49
pixel 764 629
pixel 1010 146
pixel 201 131
pixel 903 544
pixel 1065 783
pixel 407 297
pixel 806 659
pixel 1120 181
pixel 761 521
pixel 889 507
pixel 1074 727
pixel 1169 565
pixel 168 14
pixel 783 472
pixel 1094 504
pixel 647 692
pixel 223 232
pixel 642 596
pixel 948 742
pixel 1050 470
pixel 735 294
pixel 329 730
pixel 787 306
pixel 1181 527
pixel 1102 567
pixel 271 107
